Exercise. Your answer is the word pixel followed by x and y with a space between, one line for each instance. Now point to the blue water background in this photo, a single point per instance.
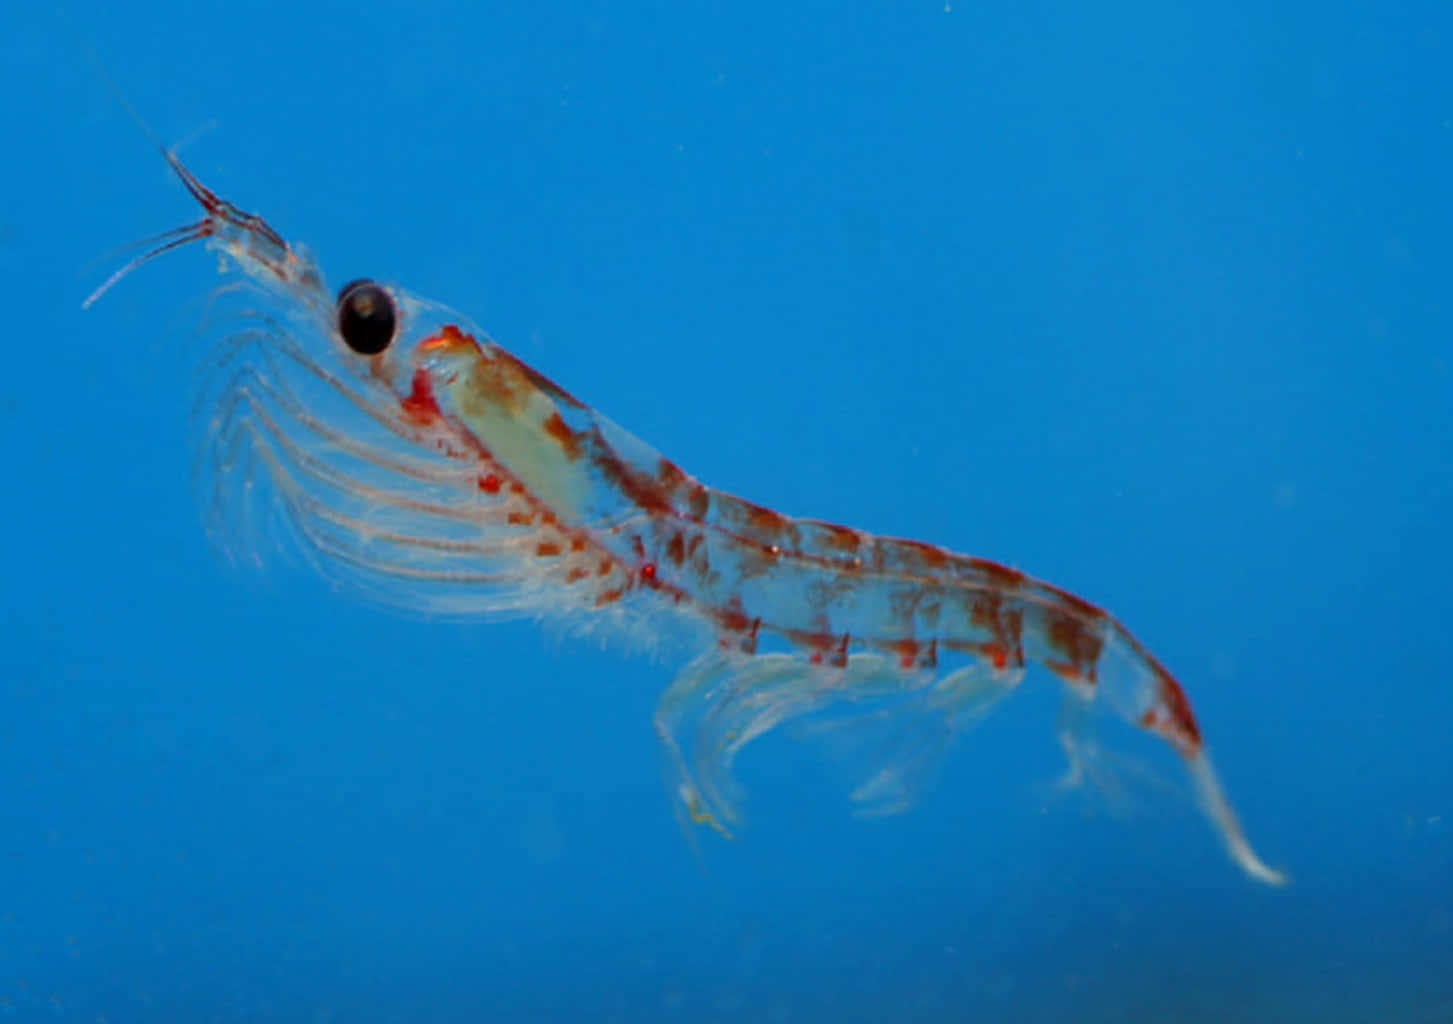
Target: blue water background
pixel 1151 300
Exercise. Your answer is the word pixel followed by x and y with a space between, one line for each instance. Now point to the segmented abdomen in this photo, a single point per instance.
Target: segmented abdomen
pixel 619 519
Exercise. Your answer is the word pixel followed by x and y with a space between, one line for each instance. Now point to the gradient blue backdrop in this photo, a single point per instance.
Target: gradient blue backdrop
pixel 1151 302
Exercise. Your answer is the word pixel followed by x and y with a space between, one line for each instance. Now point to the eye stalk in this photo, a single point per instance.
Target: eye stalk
pixel 367 316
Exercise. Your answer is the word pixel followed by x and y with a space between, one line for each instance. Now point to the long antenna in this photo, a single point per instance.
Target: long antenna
pixel 176 237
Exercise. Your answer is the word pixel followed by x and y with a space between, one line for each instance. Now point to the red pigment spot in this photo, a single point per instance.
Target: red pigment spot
pixel 676 548
pixel 823 644
pixel 569 440
pixel 608 597
pixel 420 405
pixel 907 649
pixel 547 549
pixel 448 337
pixel 489 484
pixel 520 518
pixel 648 572
pixel 604 567
pixel 843 538
pixel 576 575
pixel 988 612
pixel 577 543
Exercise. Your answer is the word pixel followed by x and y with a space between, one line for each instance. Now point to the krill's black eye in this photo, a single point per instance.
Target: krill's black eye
pixel 366 317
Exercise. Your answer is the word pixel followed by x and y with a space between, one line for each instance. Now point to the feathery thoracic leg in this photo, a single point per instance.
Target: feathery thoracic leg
pixel 892 724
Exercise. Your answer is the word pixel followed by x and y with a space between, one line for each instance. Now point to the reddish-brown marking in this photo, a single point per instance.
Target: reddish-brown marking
pixel 763 519
pixel 489 484
pixel 1178 707
pixel 569 440
pixel 420 406
pixel 825 646
pixel 696 551
pixel 670 476
pixel 1013 622
pixel 547 549
pixel 520 518
pixel 1069 673
pixel 538 379
pixel 931 556
pixel 641 489
pixel 984 612
pixel 648 573
pixel 748 644
pixel 496 382
pixel 1006 623
pixel 733 617
pixel 604 567
pixel 1078 604
pixel 576 575
pixel 699 504
pixel 841 537
pixel 609 597
pixel 577 543
pixel 676 548
pixel 1071 637
pixel 997 574
pixel 907 650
